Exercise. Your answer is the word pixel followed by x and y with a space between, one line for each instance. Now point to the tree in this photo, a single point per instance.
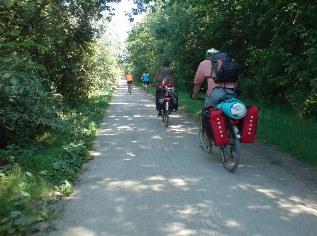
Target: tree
pixel 274 42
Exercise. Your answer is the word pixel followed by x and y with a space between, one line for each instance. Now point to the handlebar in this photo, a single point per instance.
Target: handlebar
pixel 198 98
pixel 163 85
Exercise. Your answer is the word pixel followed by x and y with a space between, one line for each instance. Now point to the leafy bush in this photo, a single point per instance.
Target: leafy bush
pixel 26 106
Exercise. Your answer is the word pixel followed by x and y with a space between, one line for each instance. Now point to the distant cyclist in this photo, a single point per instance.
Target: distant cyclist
pixel 163 76
pixel 129 77
pixel 146 79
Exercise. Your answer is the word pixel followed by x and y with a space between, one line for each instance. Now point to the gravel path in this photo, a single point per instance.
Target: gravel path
pixel 146 179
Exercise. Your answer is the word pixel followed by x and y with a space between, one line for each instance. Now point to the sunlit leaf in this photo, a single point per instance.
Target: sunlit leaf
pixel 14 80
pixel 6 75
pixel 7 89
pixel 21 89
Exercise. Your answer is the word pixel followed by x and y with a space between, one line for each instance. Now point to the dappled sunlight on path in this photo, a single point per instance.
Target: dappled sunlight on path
pixel 146 179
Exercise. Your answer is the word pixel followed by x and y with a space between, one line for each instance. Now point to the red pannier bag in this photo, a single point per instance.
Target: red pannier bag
pixel 217 122
pixel 249 125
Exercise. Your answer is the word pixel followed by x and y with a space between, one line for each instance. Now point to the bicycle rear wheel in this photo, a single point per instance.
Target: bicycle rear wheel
pixel 166 118
pixel 146 89
pixel 230 153
pixel 166 114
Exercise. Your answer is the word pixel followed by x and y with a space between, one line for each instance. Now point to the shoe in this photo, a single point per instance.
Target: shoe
pixel 207 149
pixel 160 113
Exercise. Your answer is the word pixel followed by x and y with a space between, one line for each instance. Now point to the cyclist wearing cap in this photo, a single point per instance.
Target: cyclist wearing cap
pixel 215 91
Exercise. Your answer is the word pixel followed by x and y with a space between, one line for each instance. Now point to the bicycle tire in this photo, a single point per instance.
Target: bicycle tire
pixel 146 89
pixel 166 114
pixel 166 119
pixel 230 153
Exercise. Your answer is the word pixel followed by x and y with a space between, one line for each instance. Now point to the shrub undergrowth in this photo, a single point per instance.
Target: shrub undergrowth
pixel 34 174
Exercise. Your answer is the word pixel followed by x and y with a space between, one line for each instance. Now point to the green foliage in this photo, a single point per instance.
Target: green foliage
pixel 49 59
pixel 31 178
pixel 273 42
pixel 26 106
pixel 56 79
pixel 66 189
pixel 296 136
pixel 67 165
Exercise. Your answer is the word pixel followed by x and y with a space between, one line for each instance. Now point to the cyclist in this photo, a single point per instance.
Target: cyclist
pixel 163 76
pixel 146 78
pixel 129 78
pixel 215 91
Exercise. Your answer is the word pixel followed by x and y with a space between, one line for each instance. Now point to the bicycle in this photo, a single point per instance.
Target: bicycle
pixel 230 148
pixel 168 91
pixel 146 88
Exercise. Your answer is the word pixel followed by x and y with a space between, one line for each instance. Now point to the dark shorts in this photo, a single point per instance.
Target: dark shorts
pixel 146 82
pixel 129 82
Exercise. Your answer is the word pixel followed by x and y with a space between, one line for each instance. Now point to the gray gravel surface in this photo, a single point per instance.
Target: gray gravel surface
pixel 146 179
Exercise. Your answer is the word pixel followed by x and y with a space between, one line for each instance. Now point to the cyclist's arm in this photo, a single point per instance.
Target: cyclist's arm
pixel 174 80
pixel 196 91
pixel 155 77
pixel 201 74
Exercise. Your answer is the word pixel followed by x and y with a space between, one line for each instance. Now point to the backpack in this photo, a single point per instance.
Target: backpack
pixel 225 68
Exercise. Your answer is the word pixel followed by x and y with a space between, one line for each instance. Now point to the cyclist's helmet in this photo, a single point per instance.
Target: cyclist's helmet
pixel 211 52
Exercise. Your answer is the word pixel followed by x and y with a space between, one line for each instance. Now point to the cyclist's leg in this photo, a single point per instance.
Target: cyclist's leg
pixel 207 135
pixel 147 86
pixel 129 86
pixel 159 100
pixel 203 135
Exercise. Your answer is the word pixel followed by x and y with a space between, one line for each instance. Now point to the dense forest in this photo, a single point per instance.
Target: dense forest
pixel 50 58
pixel 273 41
pixel 50 53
